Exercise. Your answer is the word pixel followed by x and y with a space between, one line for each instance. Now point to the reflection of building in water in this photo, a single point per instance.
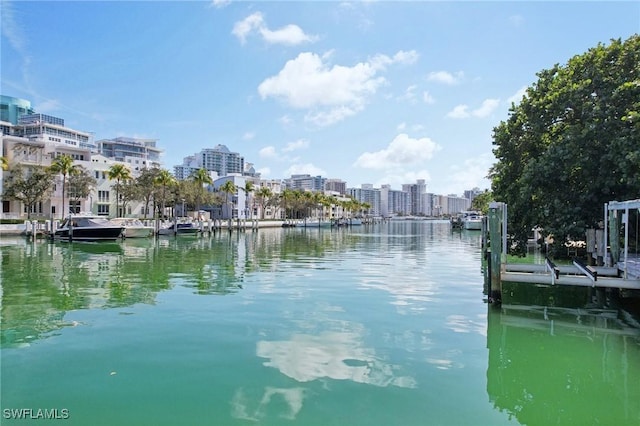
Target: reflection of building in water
pixel 563 366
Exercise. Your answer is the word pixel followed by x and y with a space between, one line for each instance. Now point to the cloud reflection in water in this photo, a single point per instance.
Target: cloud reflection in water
pixel 334 355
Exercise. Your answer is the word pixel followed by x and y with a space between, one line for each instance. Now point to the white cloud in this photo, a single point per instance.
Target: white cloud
pixel 304 169
pixel 48 106
pixel 409 94
pixel 471 173
pixel 220 3
pixel 285 120
pixel 427 98
pixel 299 144
pixel 289 34
pixel 401 127
pixel 248 136
pixel 402 152
pixel 330 92
pixel 517 97
pixel 242 29
pixel 485 110
pixel 445 77
pixel 264 171
pixel 460 111
pixel 404 57
pixel 331 116
pixel 267 152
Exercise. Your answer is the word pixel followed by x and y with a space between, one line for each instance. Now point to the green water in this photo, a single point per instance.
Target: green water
pixel 381 325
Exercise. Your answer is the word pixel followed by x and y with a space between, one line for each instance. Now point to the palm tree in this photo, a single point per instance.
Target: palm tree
pixel 165 180
pixel 120 173
pixel 4 163
pixel 229 188
pixel 201 177
pixel 247 189
pixel 264 194
pixel 63 165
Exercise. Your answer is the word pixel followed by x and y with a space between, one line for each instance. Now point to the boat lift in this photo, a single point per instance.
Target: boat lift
pixel 615 273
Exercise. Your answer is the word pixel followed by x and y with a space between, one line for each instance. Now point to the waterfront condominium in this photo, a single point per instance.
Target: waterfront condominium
pixel 217 159
pixel 138 153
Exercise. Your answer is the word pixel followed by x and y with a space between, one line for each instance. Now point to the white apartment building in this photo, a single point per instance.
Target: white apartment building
pixel 217 159
pixel 138 153
pixel 38 139
pixel 367 194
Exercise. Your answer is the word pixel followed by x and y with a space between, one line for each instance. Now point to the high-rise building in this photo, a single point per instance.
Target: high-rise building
pixel 336 185
pixel 394 202
pixel 470 194
pixel 416 194
pixel 217 159
pixel 367 194
pixel 305 182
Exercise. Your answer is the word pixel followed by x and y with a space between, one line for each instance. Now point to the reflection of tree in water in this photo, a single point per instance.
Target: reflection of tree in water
pixel 563 366
pixel 42 281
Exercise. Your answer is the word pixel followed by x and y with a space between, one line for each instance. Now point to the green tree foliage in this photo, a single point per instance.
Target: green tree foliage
pixel 201 178
pixel 80 184
pixel 28 185
pixel 4 163
pixel 63 165
pixel 263 195
pixel 481 202
pixel 230 190
pixel 147 188
pixel 119 173
pixel 571 145
pixel 163 183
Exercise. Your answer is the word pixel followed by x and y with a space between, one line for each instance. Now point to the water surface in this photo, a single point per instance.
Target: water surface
pixel 374 325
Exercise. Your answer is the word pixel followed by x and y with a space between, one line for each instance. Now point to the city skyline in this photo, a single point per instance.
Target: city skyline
pixel 366 92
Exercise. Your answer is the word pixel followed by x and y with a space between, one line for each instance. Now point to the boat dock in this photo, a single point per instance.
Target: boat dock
pixel 613 266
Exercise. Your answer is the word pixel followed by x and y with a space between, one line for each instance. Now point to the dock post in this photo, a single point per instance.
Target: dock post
pixel 496 216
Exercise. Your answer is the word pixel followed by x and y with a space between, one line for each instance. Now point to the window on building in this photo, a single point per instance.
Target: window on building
pixel 5 206
pixel 74 206
pixel 103 209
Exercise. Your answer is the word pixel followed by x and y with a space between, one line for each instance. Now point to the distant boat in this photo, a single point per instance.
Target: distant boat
pixel 133 228
pixel 80 227
pixel 186 228
pixel 472 220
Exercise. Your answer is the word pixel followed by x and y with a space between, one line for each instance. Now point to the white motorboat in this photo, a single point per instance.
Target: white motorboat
pixel 185 228
pixel 133 228
pixel 472 220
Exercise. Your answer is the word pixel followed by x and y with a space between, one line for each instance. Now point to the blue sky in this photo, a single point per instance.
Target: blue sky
pixel 373 92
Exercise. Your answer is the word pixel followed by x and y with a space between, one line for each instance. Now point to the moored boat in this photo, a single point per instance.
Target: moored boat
pixel 186 228
pixel 472 220
pixel 81 227
pixel 133 228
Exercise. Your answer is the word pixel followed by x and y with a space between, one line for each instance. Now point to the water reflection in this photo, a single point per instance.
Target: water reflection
pixel 41 281
pixel 242 408
pixel 332 355
pixel 563 365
